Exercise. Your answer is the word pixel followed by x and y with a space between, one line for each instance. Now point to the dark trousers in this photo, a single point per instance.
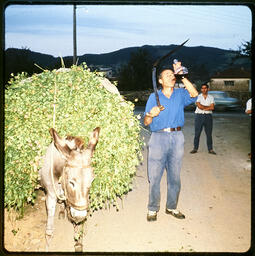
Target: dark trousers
pixel 203 120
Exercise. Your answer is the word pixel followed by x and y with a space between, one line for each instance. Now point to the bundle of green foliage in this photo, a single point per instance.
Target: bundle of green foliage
pixel 81 104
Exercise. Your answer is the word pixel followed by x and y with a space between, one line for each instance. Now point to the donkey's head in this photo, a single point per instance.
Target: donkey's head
pixel 78 173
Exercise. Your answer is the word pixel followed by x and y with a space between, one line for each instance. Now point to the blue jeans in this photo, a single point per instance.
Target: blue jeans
pixel 165 151
pixel 203 120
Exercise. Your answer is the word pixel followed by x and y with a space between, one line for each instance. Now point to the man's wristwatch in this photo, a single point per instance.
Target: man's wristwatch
pixel 149 114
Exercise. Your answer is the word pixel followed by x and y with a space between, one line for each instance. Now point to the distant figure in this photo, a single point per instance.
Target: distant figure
pixel 203 118
pixel 248 111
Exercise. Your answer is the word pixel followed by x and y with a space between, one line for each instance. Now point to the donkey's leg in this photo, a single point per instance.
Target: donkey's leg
pixel 78 236
pixel 51 201
pixel 61 214
pixel 60 192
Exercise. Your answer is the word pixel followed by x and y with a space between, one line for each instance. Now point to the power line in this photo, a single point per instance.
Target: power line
pixel 219 14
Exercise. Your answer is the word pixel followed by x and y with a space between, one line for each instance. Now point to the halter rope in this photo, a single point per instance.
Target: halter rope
pixel 60 197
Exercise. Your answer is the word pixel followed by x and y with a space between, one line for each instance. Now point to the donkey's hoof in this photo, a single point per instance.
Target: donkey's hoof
pixel 78 247
pixel 48 239
pixel 61 215
pixel 49 232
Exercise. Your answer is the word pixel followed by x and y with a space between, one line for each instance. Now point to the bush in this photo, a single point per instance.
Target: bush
pixel 82 104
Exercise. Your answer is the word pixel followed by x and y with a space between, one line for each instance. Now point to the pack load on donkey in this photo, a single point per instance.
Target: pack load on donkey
pixel 79 101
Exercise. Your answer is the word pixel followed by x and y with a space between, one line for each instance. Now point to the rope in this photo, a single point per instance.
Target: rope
pixel 60 197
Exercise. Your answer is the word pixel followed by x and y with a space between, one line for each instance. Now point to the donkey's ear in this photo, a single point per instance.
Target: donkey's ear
pixel 93 139
pixel 60 144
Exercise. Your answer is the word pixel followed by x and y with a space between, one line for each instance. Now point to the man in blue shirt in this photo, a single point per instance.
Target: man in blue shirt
pixel 166 144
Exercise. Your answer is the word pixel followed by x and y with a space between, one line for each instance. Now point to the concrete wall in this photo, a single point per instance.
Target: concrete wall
pixel 240 85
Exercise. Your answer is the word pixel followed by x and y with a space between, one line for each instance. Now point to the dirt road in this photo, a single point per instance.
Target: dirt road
pixel 215 197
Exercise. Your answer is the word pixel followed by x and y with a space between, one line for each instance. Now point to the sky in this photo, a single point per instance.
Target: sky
pixel 105 28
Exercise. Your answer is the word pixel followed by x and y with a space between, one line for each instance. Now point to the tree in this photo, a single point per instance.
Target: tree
pixel 136 75
pixel 18 61
pixel 243 54
pixel 199 72
pixel 245 50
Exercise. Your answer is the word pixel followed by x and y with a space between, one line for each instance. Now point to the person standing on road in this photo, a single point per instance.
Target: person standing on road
pixel 203 118
pixel 166 144
pixel 248 111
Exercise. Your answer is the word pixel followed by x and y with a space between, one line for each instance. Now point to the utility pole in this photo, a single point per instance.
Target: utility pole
pixel 74 36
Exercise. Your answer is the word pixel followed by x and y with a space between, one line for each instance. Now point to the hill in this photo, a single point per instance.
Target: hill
pixel 214 59
pixel 201 61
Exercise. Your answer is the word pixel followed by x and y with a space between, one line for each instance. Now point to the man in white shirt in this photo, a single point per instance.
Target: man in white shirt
pixel 203 118
pixel 248 111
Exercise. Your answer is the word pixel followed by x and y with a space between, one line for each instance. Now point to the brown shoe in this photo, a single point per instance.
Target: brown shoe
pixel 193 151
pixel 177 214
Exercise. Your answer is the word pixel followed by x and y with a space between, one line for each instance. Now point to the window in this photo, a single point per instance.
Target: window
pixel 229 83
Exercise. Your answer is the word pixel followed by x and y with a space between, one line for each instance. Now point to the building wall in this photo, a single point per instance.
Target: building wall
pixel 240 84
pixel 241 88
pixel 106 71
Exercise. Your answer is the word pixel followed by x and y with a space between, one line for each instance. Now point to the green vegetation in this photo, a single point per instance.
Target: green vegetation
pixel 82 104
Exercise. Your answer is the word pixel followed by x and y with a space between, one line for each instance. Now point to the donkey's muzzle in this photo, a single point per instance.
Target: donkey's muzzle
pixel 76 214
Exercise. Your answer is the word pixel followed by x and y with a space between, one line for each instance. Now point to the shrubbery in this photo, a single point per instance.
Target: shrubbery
pixel 82 104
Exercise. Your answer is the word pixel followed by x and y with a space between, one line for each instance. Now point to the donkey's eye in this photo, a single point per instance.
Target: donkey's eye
pixel 71 183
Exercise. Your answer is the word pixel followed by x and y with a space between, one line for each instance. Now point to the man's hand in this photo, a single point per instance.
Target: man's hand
pixel 203 107
pixel 178 70
pixel 155 111
pixel 248 112
pixel 149 116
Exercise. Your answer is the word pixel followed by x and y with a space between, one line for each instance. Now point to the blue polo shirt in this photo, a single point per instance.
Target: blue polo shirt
pixel 173 114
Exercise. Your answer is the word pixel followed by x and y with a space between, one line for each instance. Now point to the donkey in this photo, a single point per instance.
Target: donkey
pixel 66 176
